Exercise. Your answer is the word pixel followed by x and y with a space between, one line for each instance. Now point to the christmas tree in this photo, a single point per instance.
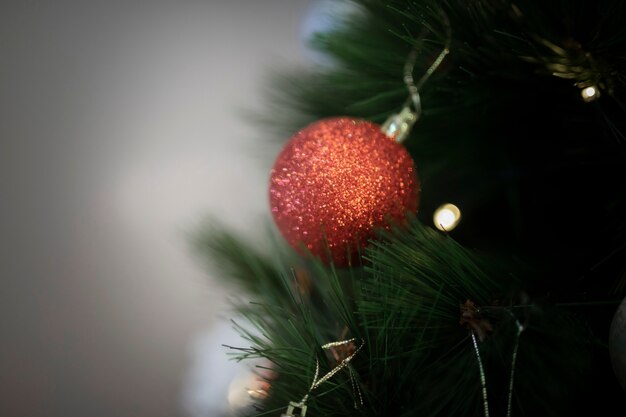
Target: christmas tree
pixel 476 267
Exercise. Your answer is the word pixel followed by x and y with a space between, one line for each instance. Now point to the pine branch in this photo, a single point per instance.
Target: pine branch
pixel 504 134
pixel 406 306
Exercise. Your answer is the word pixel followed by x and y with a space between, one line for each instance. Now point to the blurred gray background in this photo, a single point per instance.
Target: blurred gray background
pixel 120 129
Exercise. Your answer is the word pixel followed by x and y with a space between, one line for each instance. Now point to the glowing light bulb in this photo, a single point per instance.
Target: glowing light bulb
pixel 238 395
pixel 590 93
pixel 447 217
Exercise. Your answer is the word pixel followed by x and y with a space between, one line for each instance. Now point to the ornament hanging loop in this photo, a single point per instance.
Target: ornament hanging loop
pixel 399 125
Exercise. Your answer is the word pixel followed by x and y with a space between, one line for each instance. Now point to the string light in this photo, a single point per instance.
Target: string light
pixel 237 391
pixel 590 93
pixel 447 217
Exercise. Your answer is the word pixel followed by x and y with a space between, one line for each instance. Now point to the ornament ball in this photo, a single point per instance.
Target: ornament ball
pixel 336 182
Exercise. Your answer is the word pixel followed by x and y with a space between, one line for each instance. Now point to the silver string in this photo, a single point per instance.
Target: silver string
pixel 341 365
pixel 520 329
pixel 317 372
pixel 409 66
pixel 483 379
pixel 344 363
pixel 355 387
pixel 399 125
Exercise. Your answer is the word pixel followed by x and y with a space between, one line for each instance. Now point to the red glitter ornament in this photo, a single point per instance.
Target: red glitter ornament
pixel 336 182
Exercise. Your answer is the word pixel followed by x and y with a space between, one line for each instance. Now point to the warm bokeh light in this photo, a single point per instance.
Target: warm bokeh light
pixel 447 217
pixel 238 391
pixel 245 388
pixel 590 93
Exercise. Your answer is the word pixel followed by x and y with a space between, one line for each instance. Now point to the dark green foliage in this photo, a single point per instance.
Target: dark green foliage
pixel 540 176
pixel 405 304
pixel 240 262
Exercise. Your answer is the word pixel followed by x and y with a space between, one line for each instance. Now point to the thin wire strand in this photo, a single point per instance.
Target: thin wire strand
pixel 483 378
pixel 355 387
pixel 520 329
pixel 398 126
pixel 344 363
pixel 413 87
pixel 341 365
pixel 317 372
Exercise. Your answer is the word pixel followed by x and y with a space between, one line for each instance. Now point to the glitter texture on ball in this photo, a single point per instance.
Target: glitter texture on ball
pixel 336 182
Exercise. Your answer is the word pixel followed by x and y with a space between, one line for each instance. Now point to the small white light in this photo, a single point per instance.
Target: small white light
pixel 239 391
pixel 590 93
pixel 258 394
pixel 447 217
